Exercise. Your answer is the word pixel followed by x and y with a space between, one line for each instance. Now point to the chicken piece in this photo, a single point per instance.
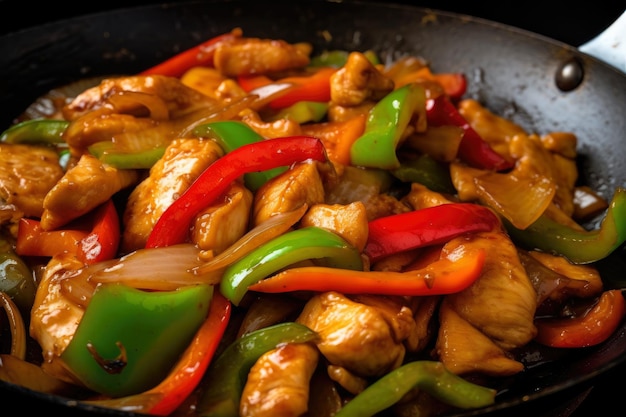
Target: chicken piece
pixel 103 125
pixel 561 143
pixel 424 309
pixel 359 81
pixel 502 302
pixel 302 184
pixel 464 349
pixel 55 317
pixel 366 339
pixel 27 174
pixel 183 161
pixel 383 205
pixel 278 383
pixel 276 129
pixel 219 226
pixel 178 98
pixel 421 197
pixel 337 113
pixel 248 56
pixel 347 380
pixel 83 187
pixel 348 221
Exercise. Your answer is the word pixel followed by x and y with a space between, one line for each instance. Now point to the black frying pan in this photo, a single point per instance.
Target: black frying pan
pixel 511 71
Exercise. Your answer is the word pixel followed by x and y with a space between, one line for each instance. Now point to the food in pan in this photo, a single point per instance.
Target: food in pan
pixel 256 228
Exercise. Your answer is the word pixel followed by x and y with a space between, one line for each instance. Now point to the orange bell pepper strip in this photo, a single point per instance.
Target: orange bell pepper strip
pixel 93 245
pixel 314 87
pixel 589 329
pixel 32 240
pixel 199 55
pixel 166 397
pixel 338 136
pixel 446 275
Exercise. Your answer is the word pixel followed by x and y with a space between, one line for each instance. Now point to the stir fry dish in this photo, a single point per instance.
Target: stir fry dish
pixel 256 228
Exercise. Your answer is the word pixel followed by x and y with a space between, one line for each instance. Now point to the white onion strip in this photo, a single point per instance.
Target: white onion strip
pixel 16 323
pixel 164 269
pixel 269 229
pixel 171 267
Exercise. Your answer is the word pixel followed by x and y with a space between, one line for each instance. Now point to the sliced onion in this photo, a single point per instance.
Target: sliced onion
pixel 520 200
pixel 16 323
pixel 130 101
pixel 164 269
pixel 269 229
pixel 228 111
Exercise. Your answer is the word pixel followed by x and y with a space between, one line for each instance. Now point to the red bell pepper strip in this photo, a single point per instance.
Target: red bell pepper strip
pixel 315 87
pixel 444 276
pixel 473 149
pixel 102 242
pixel 428 226
pixel 173 225
pixel 592 328
pixel 199 55
pixel 32 240
pixel 164 398
pixel 196 359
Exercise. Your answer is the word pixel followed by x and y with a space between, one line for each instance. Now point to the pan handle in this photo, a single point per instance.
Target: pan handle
pixel 609 46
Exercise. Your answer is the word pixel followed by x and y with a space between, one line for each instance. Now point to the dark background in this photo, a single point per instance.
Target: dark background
pixel 567 22
pixel 571 22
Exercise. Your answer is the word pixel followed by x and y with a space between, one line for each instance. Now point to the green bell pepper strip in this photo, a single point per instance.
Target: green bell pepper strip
pixel 295 246
pixel 580 247
pixel 233 134
pixel 337 58
pixel 447 275
pixel 110 154
pixel 165 398
pixel 427 171
pixel 128 339
pixel 38 131
pixel 429 376
pixel 427 226
pixel 302 112
pixel 173 225
pixel 384 128
pixel 226 376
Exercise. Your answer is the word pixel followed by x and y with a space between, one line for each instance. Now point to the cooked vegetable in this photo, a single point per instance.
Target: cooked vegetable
pixel 145 333
pixel 444 276
pixel 428 226
pixel 590 328
pixel 429 376
pixel 385 127
pixel 288 249
pixel 246 217
pixel 231 135
pixel 579 246
pixel 473 149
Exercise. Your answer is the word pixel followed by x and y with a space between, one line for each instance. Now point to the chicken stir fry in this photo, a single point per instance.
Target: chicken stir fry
pixel 279 232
